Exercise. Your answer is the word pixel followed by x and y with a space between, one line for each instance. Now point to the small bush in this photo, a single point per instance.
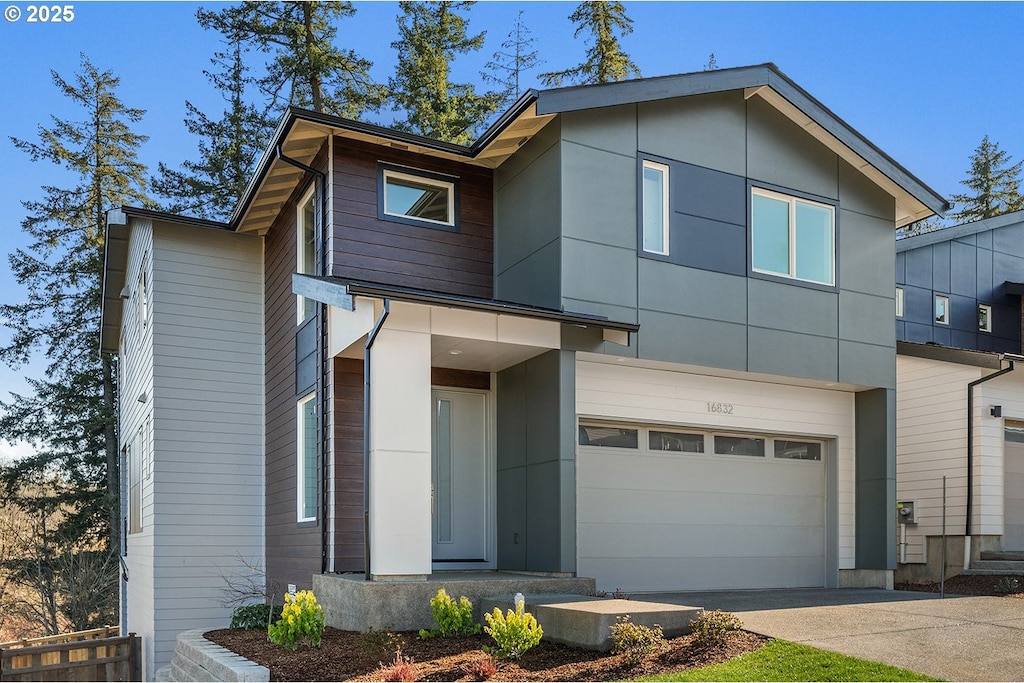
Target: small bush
pixel 452 618
pixel 402 669
pixel 710 627
pixel 1007 585
pixel 301 622
pixel 258 616
pixel 514 633
pixel 380 645
pixel 635 641
pixel 480 669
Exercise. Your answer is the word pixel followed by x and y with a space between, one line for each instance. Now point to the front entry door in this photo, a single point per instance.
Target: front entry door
pixel 459 476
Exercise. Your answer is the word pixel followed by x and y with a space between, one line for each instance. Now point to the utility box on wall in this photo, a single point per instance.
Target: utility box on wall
pixel 906 511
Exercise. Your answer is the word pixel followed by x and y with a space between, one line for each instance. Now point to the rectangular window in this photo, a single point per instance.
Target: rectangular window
pixel 941 309
pixel 984 318
pixel 420 199
pixel 675 441
pixel 899 302
pixel 305 230
pixel 612 437
pixel 792 237
pixel 133 459
pixel 305 475
pixel 655 208
pixel 739 445
pixel 797 450
pixel 142 298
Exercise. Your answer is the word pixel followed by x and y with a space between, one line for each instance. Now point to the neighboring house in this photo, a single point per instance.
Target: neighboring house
pixel 640 332
pixel 960 407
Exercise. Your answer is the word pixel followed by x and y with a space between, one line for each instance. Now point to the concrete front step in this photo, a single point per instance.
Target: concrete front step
pixel 996 567
pixel 1004 555
pixel 584 621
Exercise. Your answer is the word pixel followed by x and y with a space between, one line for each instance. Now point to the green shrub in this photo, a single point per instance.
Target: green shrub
pixel 255 616
pixel 514 633
pixel 452 618
pixel 710 627
pixel 301 622
pixel 635 641
pixel 380 645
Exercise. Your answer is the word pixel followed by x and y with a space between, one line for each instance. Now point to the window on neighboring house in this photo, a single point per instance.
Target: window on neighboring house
pixel 899 302
pixel 133 459
pixel 306 250
pixel 984 318
pixel 305 475
pixel 792 237
pixel 655 208
pixel 941 309
pixel 142 298
pixel 428 199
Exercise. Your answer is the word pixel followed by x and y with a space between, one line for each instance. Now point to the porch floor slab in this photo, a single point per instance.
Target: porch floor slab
pixel 585 621
pixel 353 604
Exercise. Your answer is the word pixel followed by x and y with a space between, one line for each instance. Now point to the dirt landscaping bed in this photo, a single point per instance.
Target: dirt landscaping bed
pixel 346 656
pixel 1003 585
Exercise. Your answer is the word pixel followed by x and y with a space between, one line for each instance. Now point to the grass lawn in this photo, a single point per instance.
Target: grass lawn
pixel 782 660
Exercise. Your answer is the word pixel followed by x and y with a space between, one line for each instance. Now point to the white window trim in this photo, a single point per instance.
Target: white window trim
pixel 425 180
pixel 300 250
pixel 945 309
pixel 665 218
pixel 792 201
pixel 988 318
pixel 300 480
pixel 899 302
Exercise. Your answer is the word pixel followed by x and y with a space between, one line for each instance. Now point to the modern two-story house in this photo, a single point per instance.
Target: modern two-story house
pixel 960 397
pixel 638 332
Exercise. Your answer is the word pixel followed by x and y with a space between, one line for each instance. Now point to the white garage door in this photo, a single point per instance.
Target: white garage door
pixel 663 508
pixel 1013 487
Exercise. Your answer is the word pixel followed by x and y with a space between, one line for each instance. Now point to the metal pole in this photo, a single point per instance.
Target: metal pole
pixel 942 570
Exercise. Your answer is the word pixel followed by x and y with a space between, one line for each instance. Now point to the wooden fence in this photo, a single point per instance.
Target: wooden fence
pixel 96 655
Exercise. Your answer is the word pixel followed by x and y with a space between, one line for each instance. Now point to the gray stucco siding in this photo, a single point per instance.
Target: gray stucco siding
pixel 793 354
pixel 864 255
pixel 534 280
pixel 866 318
pixel 781 153
pixel 857 193
pixel 876 478
pixel 612 129
pixel 668 288
pixel 600 273
pixel 792 308
pixel 867 364
pixel 604 174
pixel 963 274
pixel 706 130
pixel 692 340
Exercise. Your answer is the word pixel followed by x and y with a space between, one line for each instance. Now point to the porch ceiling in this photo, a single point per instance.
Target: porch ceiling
pixel 476 354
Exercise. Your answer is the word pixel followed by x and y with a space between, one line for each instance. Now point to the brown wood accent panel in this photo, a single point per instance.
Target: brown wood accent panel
pixel 292 552
pixel 348 465
pixel 460 379
pixel 366 248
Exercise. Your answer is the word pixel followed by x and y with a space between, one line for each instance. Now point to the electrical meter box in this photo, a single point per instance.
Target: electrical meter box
pixel 906 511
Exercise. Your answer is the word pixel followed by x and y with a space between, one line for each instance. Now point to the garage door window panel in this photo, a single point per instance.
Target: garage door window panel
pixel 675 441
pixel 609 437
pixel 797 450
pixel 739 445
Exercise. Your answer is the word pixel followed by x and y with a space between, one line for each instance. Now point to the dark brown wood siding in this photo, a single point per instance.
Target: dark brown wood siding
pixel 387 252
pixel 293 551
pixel 348 463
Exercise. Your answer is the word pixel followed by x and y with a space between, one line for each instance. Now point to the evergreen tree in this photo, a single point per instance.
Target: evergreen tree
pixel 512 61
pixel 920 227
pixel 994 185
pixel 228 148
pixel 431 35
pixel 306 69
pixel 69 415
pixel 606 62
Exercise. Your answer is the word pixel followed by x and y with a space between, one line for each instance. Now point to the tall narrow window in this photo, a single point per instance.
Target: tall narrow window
pixel 984 318
pixel 941 309
pixel 305 475
pixel 655 208
pixel 305 230
pixel 899 302
pixel 133 459
pixel 792 237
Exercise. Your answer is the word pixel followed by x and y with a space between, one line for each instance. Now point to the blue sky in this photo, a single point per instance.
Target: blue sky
pixel 924 81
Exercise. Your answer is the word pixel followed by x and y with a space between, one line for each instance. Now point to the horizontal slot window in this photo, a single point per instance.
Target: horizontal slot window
pixel 739 445
pixel 419 198
pixel 611 437
pixel 675 441
pixel 797 450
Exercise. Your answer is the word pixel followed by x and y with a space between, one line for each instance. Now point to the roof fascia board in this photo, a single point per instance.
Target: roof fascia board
pixel 958 231
pixel 946 354
pixel 330 289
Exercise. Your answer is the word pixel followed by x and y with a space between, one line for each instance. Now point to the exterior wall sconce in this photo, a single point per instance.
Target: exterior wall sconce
pixel 143 397
pixel 995 411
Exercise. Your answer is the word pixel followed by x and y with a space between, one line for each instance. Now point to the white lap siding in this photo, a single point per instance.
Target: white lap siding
pixel 654 520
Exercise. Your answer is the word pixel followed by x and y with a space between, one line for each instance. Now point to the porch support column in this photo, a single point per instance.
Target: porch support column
pixel 400 442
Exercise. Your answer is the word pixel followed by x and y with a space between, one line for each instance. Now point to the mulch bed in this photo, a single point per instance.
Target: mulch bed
pixel 343 657
pixel 1006 586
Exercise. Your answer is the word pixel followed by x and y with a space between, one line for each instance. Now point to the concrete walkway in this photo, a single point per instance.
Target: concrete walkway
pixel 957 638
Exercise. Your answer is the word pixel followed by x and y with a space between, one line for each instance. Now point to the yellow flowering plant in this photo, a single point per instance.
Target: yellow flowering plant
pixel 301 622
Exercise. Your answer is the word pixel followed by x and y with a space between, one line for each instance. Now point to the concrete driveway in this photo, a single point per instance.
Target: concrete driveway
pixel 957 638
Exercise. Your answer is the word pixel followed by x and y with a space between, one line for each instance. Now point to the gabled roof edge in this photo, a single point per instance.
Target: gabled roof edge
pixel 957 231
